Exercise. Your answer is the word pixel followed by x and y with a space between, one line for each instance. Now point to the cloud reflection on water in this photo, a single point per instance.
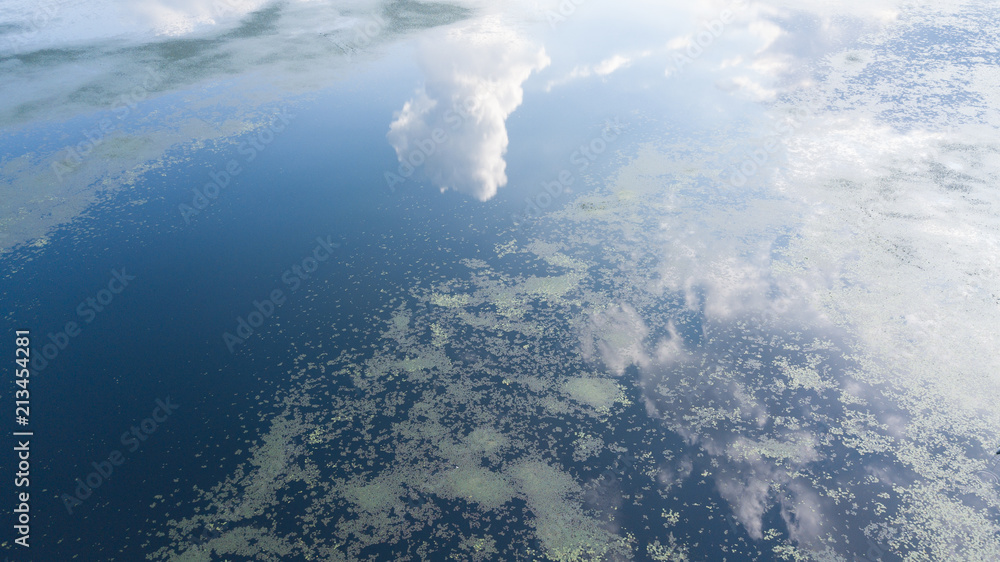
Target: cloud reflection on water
pixel 474 80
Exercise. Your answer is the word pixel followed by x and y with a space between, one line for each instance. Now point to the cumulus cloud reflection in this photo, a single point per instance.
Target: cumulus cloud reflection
pixel 616 336
pixel 454 128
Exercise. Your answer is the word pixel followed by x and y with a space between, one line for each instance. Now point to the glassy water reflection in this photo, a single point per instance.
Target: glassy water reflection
pixel 652 281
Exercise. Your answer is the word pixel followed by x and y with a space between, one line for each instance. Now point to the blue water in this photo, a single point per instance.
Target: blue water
pixel 315 193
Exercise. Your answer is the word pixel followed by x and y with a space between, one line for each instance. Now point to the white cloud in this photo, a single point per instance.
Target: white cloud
pixel 748 500
pixel 612 64
pixel 617 336
pixel 603 68
pixel 474 77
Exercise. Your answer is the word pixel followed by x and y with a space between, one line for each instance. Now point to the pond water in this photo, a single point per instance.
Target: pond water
pixel 563 281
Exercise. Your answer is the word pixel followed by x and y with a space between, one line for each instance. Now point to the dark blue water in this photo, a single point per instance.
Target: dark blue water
pixel 308 238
